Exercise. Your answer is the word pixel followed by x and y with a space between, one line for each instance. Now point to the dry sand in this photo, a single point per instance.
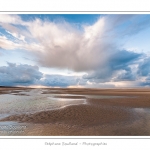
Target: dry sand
pixel 112 116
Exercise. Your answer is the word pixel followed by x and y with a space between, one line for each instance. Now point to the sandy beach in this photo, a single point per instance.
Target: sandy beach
pixel 123 112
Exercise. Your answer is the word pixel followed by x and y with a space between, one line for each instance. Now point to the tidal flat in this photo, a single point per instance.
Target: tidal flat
pixel 74 112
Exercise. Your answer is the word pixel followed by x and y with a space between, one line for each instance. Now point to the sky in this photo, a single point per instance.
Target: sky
pixel 75 50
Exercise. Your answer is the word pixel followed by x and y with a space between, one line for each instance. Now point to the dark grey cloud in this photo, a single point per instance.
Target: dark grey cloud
pixel 13 74
pixel 144 68
pixel 120 60
pixel 59 80
pixel 126 76
pixel 145 83
pixel 144 72
pixel 26 75
pixel 123 58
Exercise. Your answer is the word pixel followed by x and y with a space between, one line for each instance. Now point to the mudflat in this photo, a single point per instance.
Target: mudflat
pixel 123 112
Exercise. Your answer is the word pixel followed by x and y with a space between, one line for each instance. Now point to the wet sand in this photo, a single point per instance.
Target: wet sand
pixel 7 90
pixel 127 115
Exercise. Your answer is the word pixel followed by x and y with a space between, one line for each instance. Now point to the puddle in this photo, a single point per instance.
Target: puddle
pixel 87 96
pixel 103 96
pixel 31 102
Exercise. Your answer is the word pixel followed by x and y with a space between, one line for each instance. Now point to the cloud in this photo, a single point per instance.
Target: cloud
pixel 5 43
pixel 144 68
pixel 91 48
pixel 79 50
pixel 25 75
pixel 19 74
pixel 117 68
pixel 58 80
pixel 137 24
pixel 143 72
pixel 12 19
pixel 17 36
pixel 84 50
